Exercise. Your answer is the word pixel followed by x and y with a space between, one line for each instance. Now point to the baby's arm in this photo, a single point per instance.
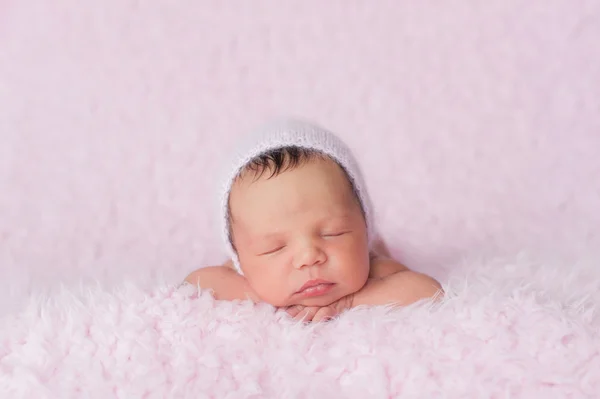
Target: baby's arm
pixel 393 283
pixel 224 282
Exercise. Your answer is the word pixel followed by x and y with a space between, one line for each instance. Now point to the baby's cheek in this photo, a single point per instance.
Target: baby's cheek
pixel 354 266
pixel 269 288
pixel 274 296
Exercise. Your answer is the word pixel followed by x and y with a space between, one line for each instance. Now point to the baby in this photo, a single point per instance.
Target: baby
pixel 298 226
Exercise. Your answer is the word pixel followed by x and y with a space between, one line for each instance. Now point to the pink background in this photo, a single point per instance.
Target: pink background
pixel 478 126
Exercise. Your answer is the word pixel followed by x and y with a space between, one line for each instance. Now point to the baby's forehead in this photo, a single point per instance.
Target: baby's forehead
pixel 315 177
pixel 319 184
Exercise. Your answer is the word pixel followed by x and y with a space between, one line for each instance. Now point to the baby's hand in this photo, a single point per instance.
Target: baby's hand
pixel 311 313
pixel 320 313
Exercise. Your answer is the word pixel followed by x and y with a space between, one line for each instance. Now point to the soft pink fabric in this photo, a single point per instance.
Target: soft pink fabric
pixel 507 329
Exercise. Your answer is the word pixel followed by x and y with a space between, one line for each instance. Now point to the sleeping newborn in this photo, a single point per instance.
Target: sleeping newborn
pixel 297 223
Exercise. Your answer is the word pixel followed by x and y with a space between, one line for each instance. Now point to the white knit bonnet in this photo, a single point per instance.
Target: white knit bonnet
pixel 285 133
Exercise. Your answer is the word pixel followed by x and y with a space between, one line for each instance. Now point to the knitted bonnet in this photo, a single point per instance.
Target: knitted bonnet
pixel 285 133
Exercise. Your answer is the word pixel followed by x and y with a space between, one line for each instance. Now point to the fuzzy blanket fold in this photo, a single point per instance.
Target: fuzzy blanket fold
pixel 505 329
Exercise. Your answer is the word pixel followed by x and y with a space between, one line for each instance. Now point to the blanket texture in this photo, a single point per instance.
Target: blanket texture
pixel 505 329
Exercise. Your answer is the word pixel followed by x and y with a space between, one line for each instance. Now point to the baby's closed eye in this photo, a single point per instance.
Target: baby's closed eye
pixel 272 250
pixel 335 233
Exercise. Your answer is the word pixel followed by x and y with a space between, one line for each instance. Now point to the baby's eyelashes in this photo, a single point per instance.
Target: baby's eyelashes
pixel 277 248
pixel 335 234
pixel 272 251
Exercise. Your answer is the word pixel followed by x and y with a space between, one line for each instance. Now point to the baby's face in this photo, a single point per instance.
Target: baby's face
pixel 303 226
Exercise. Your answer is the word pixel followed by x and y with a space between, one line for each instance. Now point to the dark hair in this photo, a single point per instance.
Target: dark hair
pixel 279 160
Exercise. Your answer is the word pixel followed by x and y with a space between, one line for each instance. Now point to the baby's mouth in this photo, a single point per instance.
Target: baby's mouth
pixel 315 288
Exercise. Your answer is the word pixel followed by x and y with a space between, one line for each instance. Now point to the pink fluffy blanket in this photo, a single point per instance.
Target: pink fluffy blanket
pixel 505 329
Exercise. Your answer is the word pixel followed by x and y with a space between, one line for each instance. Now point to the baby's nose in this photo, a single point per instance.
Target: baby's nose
pixel 309 256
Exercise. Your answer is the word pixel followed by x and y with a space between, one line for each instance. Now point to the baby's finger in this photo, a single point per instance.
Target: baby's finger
pixel 324 314
pixel 294 310
pixel 307 313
